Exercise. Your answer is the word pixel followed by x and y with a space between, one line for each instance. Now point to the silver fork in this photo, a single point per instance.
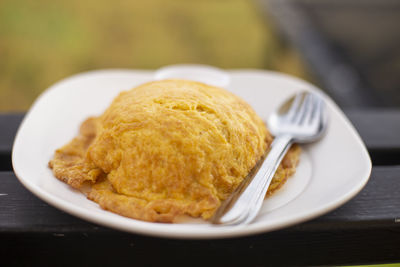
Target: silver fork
pixel 301 119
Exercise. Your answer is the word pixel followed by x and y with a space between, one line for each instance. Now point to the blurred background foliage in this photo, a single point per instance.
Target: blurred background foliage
pixel 43 41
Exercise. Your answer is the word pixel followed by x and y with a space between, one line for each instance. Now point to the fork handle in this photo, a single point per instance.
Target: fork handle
pixel 244 204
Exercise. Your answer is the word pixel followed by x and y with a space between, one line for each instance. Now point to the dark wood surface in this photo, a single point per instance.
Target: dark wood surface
pixel 364 230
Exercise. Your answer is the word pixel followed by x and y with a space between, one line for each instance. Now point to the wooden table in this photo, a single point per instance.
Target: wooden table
pixel 364 230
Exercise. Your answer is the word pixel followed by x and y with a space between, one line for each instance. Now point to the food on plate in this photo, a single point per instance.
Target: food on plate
pixel 168 148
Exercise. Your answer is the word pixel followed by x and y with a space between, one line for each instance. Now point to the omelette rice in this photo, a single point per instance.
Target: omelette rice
pixel 168 148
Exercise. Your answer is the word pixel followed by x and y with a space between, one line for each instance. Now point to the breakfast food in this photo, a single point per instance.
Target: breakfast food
pixel 168 148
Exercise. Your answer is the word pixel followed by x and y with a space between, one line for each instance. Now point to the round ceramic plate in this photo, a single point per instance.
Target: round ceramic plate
pixel 330 172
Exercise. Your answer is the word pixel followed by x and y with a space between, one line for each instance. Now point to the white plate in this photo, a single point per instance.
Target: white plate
pixel 330 172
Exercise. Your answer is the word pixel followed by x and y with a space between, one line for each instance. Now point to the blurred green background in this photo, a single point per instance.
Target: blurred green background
pixel 43 41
